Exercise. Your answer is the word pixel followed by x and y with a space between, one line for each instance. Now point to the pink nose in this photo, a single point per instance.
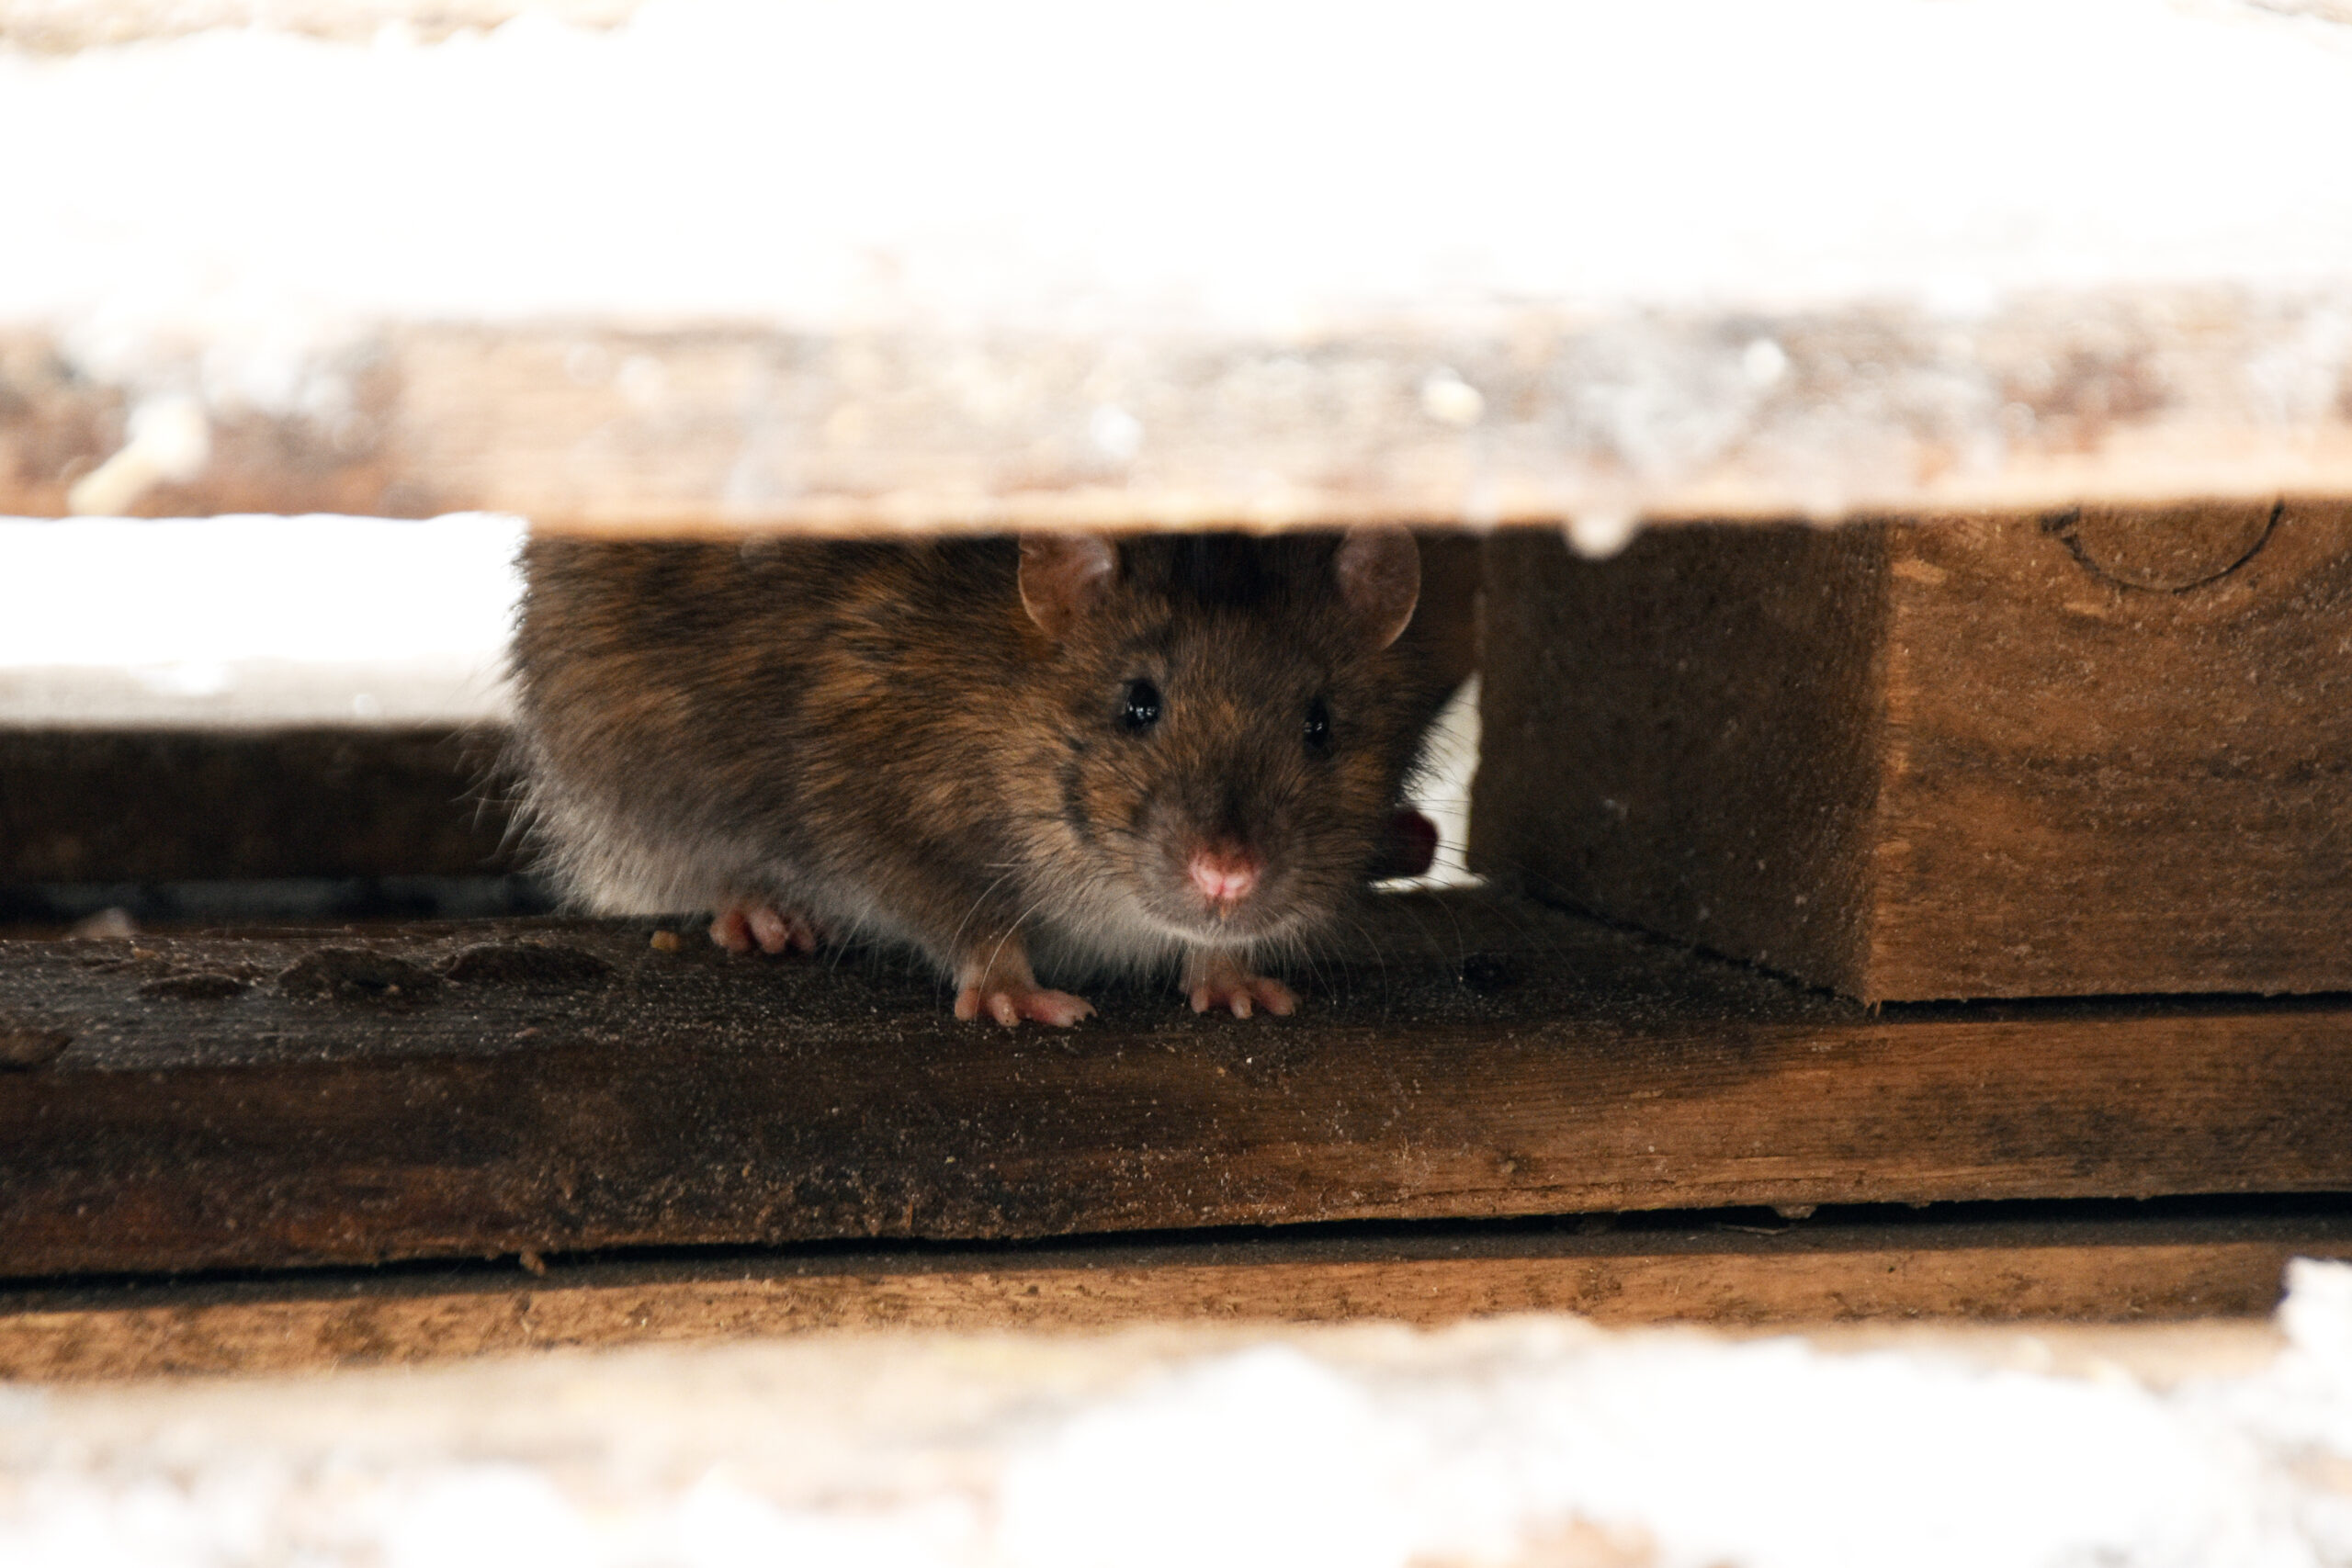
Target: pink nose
pixel 1225 876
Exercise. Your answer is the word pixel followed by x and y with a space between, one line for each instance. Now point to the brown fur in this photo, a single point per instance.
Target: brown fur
pixel 883 738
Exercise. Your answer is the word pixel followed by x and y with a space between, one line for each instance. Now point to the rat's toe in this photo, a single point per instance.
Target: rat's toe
pixel 1235 990
pixel 1033 1005
pixel 780 931
pixel 733 930
pixel 1246 998
pixel 1058 1007
pixel 742 928
pixel 1274 997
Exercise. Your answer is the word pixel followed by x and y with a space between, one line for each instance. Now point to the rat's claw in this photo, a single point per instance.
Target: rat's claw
pixel 779 933
pixel 739 928
pixel 1010 1005
pixel 1244 993
pixel 1220 980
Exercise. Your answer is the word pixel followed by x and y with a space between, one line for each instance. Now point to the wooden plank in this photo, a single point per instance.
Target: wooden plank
pixel 2087 753
pixel 2112 1269
pixel 1338 313
pixel 175 806
pixel 272 1099
pixel 2158 396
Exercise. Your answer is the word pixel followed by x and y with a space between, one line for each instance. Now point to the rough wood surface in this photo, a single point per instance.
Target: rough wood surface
pixel 166 805
pixel 2080 754
pixel 1729 1275
pixel 288 1099
pixel 1502 415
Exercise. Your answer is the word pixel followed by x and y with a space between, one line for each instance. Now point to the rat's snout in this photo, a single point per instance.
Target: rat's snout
pixel 1225 873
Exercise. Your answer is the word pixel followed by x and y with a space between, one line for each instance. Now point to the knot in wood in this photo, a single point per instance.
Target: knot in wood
pixel 26 1044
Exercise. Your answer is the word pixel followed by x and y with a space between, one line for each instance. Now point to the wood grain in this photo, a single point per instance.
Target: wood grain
pixel 1474 1058
pixel 2058 400
pixel 2087 753
pixel 2112 1269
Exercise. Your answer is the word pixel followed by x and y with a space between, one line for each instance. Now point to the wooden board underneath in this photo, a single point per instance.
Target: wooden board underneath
pixel 80 806
pixel 1474 1057
pixel 2109 1269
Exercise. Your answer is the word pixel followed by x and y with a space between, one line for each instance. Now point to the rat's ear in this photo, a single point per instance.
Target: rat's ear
pixel 1063 576
pixel 1380 581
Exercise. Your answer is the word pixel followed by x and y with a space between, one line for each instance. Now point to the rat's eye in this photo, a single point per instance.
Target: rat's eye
pixel 1319 727
pixel 1142 710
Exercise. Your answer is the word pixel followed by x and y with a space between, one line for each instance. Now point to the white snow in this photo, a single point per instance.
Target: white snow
pixel 256 620
pixel 1367 1447
pixel 235 200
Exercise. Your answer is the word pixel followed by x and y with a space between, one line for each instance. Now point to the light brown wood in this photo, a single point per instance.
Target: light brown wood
pixel 1735 1275
pixel 2159 397
pixel 2078 754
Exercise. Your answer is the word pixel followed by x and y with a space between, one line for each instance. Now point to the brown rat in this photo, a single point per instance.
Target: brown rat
pixel 1085 755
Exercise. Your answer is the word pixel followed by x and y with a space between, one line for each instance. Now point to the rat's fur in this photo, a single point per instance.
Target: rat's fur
pixel 882 738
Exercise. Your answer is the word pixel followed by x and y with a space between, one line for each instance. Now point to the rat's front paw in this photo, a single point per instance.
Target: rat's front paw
pixel 739 928
pixel 996 982
pixel 1009 1004
pixel 1222 981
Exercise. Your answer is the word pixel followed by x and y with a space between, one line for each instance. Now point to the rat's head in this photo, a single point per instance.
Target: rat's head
pixel 1233 721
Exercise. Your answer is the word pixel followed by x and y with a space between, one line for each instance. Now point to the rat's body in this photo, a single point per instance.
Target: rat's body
pixel 1177 752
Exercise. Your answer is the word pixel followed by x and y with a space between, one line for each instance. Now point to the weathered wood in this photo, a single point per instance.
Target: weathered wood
pixel 1734 1276
pixel 167 806
pixel 359 1099
pixel 2087 753
pixel 2152 398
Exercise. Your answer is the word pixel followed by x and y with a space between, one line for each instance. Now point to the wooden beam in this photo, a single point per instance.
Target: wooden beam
pixel 276 1099
pixel 174 806
pixel 2115 397
pixel 1724 1273
pixel 2090 753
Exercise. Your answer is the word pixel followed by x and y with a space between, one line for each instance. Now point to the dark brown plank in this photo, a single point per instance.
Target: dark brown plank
pixel 2103 1270
pixel 2073 755
pixel 1481 1058
pixel 1687 737
pixel 169 805
pixel 2115 767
